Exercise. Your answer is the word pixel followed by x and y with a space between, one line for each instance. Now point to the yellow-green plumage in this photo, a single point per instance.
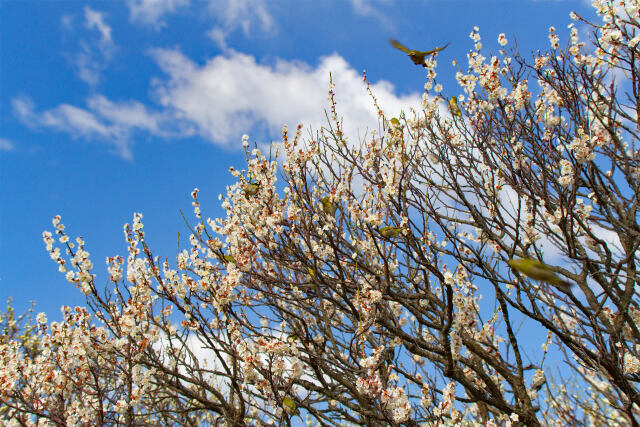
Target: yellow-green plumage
pixel 312 279
pixel 225 258
pixel 453 107
pixel 416 56
pixel 537 270
pixel 328 207
pixel 230 258
pixel 390 232
pixel 290 406
pixel 251 190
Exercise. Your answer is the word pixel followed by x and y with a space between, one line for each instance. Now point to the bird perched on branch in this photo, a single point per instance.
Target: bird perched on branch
pixel 328 207
pixel 389 232
pixel 312 279
pixel 290 406
pixel 453 106
pixel 224 258
pixel 539 271
pixel 251 189
pixel 416 56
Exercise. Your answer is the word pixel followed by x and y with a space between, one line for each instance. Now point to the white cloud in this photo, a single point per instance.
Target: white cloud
pixel 367 8
pixel 61 117
pixel 219 36
pixel 228 16
pixel 246 15
pixel 127 115
pixel 95 20
pixel 87 68
pixel 92 56
pixel 243 14
pixel 231 95
pixel 6 145
pixel 223 99
pixel 103 120
pixel 152 12
pixel 76 121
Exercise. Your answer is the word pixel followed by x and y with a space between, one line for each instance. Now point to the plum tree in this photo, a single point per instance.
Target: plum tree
pixel 400 307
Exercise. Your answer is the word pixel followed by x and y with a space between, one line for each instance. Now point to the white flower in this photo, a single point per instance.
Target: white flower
pixel 631 364
pixel 41 318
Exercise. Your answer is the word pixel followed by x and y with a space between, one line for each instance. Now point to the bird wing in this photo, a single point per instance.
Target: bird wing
pixel 432 51
pixel 395 43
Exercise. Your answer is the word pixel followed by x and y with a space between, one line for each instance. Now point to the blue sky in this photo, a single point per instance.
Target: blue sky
pixel 111 108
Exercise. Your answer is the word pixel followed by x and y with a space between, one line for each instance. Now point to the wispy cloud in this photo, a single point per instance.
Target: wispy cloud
pixel 152 12
pixel 368 8
pixel 103 120
pixel 93 55
pixel 66 21
pixel 6 145
pixel 228 15
pixel 87 68
pixel 244 15
pixel 95 20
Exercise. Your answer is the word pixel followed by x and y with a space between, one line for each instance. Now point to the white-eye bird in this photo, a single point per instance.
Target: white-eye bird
pixel 537 270
pixel 453 106
pixel 328 207
pixel 229 258
pixel 225 258
pixel 389 232
pixel 251 190
pixel 416 56
pixel 312 279
pixel 290 406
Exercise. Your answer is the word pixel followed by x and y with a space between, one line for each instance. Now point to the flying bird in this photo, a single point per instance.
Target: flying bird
pixel 416 56
pixel 538 271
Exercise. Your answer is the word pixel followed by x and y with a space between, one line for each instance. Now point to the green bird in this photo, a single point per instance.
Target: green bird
pixel 389 232
pixel 229 258
pixel 225 258
pixel 453 106
pixel 537 270
pixel 416 56
pixel 328 207
pixel 251 190
pixel 290 406
pixel 311 277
